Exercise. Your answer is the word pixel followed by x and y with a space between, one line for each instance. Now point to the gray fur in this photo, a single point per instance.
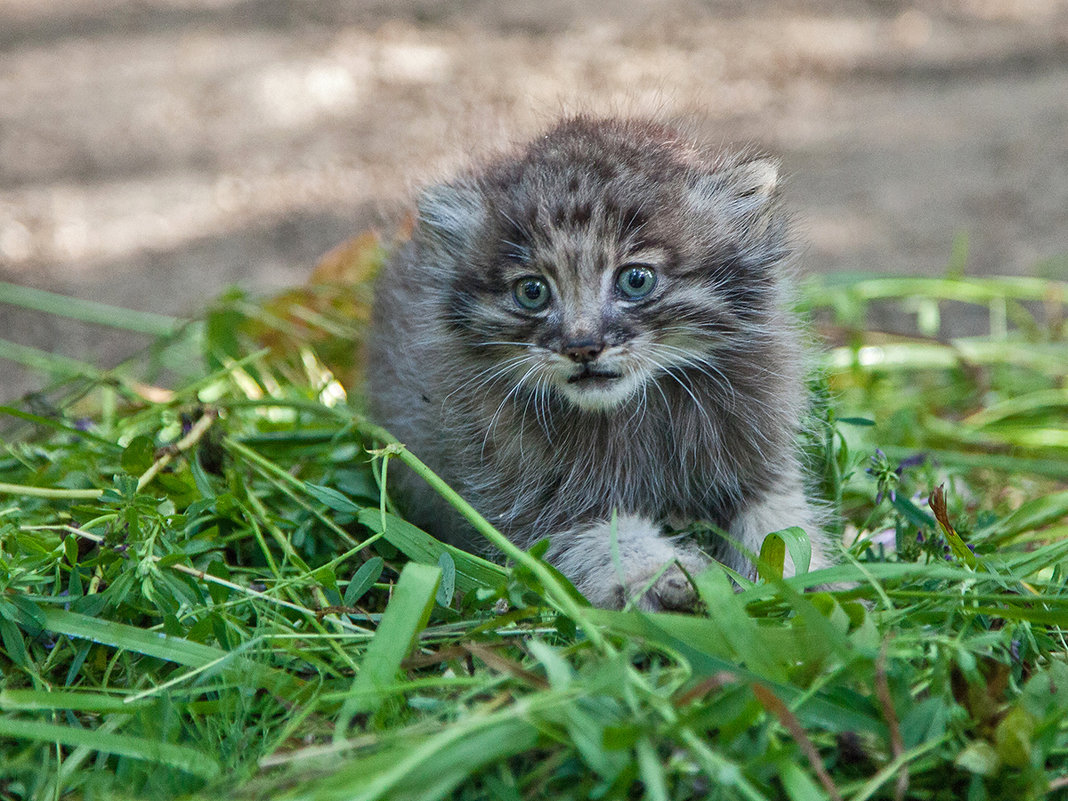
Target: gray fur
pixel 700 425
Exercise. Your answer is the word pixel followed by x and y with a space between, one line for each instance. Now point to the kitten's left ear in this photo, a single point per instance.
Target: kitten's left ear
pixel 738 188
pixel 449 214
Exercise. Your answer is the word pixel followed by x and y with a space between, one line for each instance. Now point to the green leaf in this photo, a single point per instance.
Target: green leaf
pixel 218 568
pixel 221 332
pixel 70 550
pixel 448 579
pixel 1012 738
pixel 14 644
pixel 798 546
pixel 200 478
pixel 924 721
pixel 912 513
pixel 369 572
pixel 1045 696
pixel 172 559
pixel 798 785
pixel 734 628
pixel 332 499
pixel 325 577
pixel 138 456
pixel 559 672
pixel 772 557
pixel 426 769
pixel 978 757
pixel 30 616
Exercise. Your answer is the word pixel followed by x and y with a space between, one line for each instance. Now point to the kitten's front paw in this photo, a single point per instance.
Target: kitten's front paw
pixel 612 564
pixel 672 591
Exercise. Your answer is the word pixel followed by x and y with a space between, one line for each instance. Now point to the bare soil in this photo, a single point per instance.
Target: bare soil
pixel 153 152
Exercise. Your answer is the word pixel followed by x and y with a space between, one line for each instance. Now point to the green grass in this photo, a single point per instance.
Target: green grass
pixel 205 594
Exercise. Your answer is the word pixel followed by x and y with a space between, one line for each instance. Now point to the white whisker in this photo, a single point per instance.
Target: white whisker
pixel 496 415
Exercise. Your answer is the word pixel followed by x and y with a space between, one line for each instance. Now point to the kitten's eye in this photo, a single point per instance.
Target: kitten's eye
pixel 636 281
pixel 531 292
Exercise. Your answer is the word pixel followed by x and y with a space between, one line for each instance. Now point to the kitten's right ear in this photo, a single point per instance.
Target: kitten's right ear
pixel 756 179
pixel 449 215
pixel 740 188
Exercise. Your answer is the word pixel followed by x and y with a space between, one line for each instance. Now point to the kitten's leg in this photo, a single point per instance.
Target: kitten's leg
pixel 780 508
pixel 587 556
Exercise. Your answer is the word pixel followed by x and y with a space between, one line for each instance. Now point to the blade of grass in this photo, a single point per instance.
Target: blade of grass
pixel 651 771
pixel 161 646
pixel 50 492
pixel 39 700
pixel 1028 403
pixel 1051 468
pixel 966 290
pixel 182 757
pixel 59 425
pixel 903 356
pixel 89 311
pixel 405 616
pixel 720 769
pixel 893 768
pixel 46 362
pixel 428 768
pixel 1029 516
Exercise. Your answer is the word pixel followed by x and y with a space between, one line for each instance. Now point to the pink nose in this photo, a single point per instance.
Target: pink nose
pixel 583 351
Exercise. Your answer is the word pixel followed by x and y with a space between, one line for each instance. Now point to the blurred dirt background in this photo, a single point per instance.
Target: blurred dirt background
pixel 153 152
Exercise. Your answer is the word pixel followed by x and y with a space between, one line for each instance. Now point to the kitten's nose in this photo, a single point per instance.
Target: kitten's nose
pixel 584 350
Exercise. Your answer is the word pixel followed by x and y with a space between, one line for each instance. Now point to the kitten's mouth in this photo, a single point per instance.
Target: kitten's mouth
pixel 594 389
pixel 594 377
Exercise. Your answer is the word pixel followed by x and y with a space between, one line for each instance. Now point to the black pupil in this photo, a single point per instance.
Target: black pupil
pixel 637 278
pixel 532 290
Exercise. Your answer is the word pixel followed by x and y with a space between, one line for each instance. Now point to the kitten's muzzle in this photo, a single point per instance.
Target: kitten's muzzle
pixel 583 351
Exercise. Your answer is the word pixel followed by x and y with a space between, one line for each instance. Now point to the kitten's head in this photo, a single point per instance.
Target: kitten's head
pixel 608 255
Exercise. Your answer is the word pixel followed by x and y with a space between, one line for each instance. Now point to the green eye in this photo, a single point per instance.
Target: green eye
pixel 636 281
pixel 531 292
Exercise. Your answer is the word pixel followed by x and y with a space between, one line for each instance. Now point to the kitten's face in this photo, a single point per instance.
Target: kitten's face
pixel 592 312
pixel 593 276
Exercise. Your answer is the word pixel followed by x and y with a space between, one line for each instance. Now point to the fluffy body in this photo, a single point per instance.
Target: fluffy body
pixel 550 412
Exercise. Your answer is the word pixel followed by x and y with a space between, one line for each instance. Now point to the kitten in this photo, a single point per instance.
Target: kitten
pixel 596 324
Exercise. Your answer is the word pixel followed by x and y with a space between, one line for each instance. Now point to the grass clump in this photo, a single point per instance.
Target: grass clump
pixel 205 593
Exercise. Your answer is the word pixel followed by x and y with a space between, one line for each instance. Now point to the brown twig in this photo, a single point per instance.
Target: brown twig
pixel 503 665
pixel 417 661
pixel 199 429
pixel 707 685
pixel 773 704
pixel 897 745
pixel 1058 783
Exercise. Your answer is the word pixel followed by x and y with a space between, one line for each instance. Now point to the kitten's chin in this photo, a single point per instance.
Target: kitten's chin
pixel 600 394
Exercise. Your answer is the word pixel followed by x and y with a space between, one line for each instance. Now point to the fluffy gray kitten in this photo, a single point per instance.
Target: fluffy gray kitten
pixel 594 325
